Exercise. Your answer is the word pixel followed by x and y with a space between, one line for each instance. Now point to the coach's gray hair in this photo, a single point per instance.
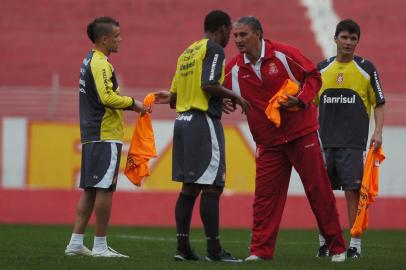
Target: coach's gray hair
pixel 253 23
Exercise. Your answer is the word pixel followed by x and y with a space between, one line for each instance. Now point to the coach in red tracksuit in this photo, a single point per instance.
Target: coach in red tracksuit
pixel 256 74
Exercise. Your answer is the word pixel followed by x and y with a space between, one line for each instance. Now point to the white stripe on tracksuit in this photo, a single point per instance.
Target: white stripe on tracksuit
pixel 109 176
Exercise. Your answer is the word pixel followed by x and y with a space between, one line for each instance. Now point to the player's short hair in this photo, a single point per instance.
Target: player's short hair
pixel 348 25
pixel 99 27
pixel 252 23
pixel 216 19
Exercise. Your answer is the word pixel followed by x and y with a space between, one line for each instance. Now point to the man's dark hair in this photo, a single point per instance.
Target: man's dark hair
pixel 216 19
pixel 99 27
pixel 253 23
pixel 348 25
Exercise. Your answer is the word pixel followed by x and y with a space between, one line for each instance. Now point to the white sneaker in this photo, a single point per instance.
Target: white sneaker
pixel 108 252
pixel 82 251
pixel 338 257
pixel 253 258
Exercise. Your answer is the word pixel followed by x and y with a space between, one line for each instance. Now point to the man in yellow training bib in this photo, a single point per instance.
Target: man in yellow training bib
pixel 198 139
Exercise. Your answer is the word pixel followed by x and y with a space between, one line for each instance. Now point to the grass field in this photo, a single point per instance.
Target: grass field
pixel 41 247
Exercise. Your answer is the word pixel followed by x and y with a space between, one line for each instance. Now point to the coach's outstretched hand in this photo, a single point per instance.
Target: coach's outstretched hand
pixel 229 106
pixel 245 105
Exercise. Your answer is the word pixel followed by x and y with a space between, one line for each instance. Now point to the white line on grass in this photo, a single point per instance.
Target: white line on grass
pixel 282 243
pixel 167 239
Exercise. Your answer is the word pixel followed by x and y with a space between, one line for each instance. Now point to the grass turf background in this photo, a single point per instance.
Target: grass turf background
pixel 42 247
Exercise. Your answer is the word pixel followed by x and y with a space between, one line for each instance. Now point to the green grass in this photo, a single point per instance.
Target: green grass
pixel 41 247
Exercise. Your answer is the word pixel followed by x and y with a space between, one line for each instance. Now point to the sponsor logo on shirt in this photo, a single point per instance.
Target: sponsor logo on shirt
pixel 82 82
pixel 213 66
pixel 273 69
pixel 187 65
pixel 86 61
pixel 340 78
pixel 310 145
pixel 340 99
pixel 182 117
pixel 378 85
pixel 82 85
pixel 105 80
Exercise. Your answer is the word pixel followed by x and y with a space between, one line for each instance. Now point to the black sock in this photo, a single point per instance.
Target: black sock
pixel 209 213
pixel 183 216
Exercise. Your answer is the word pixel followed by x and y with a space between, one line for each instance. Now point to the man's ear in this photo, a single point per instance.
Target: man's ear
pixel 223 29
pixel 104 39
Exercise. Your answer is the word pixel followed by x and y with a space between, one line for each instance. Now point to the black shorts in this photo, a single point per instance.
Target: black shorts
pixel 345 167
pixel 198 149
pixel 100 165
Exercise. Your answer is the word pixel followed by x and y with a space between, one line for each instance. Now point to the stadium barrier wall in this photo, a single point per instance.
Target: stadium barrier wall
pixel 40 166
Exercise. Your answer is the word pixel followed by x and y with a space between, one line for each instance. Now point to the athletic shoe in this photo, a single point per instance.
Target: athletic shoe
pixel 352 252
pixel 338 257
pixel 252 258
pixel 82 251
pixel 323 251
pixel 108 252
pixel 222 256
pixel 186 256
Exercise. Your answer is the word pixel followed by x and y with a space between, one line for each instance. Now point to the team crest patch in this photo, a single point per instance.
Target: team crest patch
pixel 273 69
pixel 340 78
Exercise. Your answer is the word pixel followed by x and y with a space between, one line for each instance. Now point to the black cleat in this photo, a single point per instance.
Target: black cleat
pixel 323 251
pixel 222 256
pixel 352 252
pixel 186 256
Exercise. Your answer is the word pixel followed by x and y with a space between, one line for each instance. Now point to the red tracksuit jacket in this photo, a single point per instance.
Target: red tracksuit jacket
pixel 280 62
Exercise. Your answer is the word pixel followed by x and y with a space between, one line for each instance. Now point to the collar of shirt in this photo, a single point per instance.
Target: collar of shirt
pixel 100 54
pixel 247 61
pixel 257 66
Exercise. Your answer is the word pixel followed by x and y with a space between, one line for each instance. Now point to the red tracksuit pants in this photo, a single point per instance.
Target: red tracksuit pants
pixel 273 171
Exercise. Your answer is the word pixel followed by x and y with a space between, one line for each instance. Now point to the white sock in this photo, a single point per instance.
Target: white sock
pixel 100 244
pixel 322 240
pixel 76 241
pixel 356 242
